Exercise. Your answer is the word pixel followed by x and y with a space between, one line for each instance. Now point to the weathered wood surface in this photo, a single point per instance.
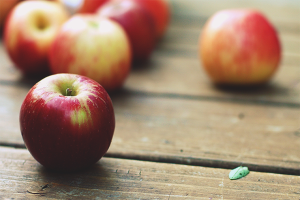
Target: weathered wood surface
pixel 23 178
pixel 168 110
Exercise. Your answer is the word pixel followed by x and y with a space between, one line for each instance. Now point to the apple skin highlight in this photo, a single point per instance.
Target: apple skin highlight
pixel 239 47
pixel 67 133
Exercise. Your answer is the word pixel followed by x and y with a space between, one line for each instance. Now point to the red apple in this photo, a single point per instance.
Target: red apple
pixel 90 6
pixel 94 47
pixel 5 7
pixel 239 47
pixel 29 31
pixel 137 23
pixel 160 12
pixel 67 122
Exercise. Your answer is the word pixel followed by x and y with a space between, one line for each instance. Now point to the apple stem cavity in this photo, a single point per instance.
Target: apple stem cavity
pixel 42 22
pixel 68 92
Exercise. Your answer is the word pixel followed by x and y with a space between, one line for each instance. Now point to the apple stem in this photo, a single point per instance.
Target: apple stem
pixel 68 92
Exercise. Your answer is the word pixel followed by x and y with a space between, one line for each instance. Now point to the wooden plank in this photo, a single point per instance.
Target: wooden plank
pixel 196 131
pixel 186 77
pixel 190 130
pixel 22 177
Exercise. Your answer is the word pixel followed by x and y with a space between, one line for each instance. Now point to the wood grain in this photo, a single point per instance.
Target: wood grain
pixel 195 129
pixel 23 178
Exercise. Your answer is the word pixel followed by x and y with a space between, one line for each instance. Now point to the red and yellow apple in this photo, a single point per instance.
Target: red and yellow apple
pixel 94 47
pixel 239 47
pixel 29 31
pixel 137 23
pixel 90 6
pixel 83 6
pixel 5 8
pixel 160 11
pixel 67 122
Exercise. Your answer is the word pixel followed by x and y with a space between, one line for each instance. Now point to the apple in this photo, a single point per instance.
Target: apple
pixel 137 23
pixel 67 122
pixel 160 11
pixel 5 9
pixel 90 6
pixel 239 47
pixel 94 47
pixel 83 6
pixel 29 31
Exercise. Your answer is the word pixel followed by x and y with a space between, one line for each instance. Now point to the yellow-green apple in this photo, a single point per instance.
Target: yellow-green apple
pixel 67 122
pixel 160 11
pixel 239 47
pixel 137 23
pixel 5 7
pixel 94 47
pixel 29 31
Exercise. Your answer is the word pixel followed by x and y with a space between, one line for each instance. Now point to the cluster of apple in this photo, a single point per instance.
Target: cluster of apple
pixel 101 39
pixel 67 119
pixel 239 47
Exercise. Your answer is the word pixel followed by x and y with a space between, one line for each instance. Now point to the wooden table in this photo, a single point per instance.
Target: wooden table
pixel 177 136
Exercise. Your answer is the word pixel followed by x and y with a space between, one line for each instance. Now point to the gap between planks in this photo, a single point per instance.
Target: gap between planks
pixel 190 161
pixel 170 95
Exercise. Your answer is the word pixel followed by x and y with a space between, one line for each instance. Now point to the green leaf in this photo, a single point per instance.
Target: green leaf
pixel 238 172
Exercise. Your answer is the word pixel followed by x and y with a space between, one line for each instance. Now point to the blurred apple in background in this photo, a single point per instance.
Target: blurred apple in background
pixel 29 31
pixel 5 7
pixel 84 6
pixel 137 23
pixel 160 12
pixel 94 47
pixel 239 47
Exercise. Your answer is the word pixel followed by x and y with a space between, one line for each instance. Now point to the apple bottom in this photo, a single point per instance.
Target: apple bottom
pixel 240 73
pixel 59 145
pixel 67 154
pixel 28 58
pixel 62 147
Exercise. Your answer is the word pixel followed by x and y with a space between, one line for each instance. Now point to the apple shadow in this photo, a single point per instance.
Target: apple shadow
pixel 28 81
pixel 53 184
pixel 266 89
pixel 142 65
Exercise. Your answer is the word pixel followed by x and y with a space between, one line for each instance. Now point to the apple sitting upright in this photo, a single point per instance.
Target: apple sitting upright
pixel 239 47
pixel 137 23
pixel 94 47
pixel 67 122
pixel 29 31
